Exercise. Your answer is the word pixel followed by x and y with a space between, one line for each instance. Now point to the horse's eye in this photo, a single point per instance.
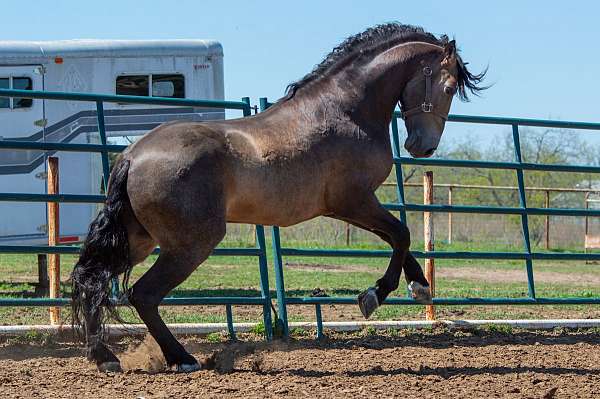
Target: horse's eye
pixel 450 90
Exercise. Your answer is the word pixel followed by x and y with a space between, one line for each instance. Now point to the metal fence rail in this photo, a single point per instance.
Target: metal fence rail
pixel 402 207
pixel 259 251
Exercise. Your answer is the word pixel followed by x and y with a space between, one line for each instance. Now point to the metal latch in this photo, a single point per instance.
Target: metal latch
pixel 39 70
pixel 41 122
pixel 41 175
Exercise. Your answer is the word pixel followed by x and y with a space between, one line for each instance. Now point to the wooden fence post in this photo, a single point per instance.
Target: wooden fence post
pixel 428 238
pixel 53 238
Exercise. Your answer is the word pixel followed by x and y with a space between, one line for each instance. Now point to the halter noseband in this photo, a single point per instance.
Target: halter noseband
pixel 426 107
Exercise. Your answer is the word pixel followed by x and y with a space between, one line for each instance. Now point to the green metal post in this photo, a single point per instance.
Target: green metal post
pixel 399 177
pixel 398 168
pixel 264 281
pixel 279 283
pixel 105 172
pixel 262 260
pixel 524 216
pixel 247 110
pixel 104 153
pixel 229 313
pixel 319 321
pixel 282 320
pixel 263 104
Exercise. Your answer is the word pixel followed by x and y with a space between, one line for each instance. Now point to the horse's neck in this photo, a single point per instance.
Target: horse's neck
pixel 366 95
pixel 385 77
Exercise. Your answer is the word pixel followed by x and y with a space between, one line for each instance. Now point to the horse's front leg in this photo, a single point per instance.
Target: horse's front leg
pixel 371 216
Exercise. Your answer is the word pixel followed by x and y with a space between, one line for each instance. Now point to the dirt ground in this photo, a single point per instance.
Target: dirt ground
pixel 439 363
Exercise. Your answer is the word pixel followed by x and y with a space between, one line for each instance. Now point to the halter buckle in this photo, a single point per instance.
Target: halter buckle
pixel 427 107
pixel 427 71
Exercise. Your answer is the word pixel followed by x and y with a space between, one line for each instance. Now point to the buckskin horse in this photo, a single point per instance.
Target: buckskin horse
pixel 321 150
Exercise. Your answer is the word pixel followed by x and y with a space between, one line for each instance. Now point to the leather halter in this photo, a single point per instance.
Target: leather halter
pixel 427 106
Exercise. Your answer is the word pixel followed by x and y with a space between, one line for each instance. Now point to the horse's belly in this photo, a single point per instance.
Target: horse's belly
pixel 274 204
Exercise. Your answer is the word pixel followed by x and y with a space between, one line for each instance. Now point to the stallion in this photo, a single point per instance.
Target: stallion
pixel 321 150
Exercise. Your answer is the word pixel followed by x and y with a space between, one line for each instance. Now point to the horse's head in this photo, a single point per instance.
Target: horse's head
pixel 427 97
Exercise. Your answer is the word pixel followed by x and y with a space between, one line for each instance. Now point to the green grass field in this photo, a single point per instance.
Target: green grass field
pixel 238 276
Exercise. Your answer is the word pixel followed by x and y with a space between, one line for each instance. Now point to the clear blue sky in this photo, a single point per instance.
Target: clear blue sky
pixel 544 57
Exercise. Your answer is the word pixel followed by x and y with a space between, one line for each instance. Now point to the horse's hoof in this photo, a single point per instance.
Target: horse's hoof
pixel 110 367
pixel 420 293
pixel 187 368
pixel 368 302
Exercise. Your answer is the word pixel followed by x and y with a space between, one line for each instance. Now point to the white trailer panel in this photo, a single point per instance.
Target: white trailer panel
pixel 169 68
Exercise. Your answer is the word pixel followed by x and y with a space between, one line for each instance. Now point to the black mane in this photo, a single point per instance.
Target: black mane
pixel 377 39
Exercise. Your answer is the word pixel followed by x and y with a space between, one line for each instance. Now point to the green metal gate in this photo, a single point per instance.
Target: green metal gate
pixel 527 255
pixel 279 251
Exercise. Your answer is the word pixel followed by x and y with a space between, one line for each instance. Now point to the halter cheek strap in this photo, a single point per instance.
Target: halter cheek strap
pixel 427 106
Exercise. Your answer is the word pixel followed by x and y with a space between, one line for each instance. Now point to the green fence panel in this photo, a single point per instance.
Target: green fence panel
pixel 259 251
pixel 402 207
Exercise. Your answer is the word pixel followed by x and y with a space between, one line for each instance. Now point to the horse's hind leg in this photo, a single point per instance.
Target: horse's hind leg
pixel 140 246
pixel 172 267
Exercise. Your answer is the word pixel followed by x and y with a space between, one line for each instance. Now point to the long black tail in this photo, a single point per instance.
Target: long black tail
pixel 104 255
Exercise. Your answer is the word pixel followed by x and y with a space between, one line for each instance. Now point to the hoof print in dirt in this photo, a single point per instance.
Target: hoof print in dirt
pixel 210 362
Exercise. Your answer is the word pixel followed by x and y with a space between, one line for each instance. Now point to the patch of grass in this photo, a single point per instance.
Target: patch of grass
pixel 299 332
pixel 369 331
pixel 499 328
pixel 258 329
pixel 594 330
pixel 392 332
pixel 214 338
pixel 32 338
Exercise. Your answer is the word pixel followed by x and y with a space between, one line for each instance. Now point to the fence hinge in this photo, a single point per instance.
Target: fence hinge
pixel 39 70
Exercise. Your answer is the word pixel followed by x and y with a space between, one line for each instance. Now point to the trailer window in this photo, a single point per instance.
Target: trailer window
pixel 163 85
pixel 18 84
pixel 168 86
pixel 22 84
pixel 4 101
pixel 133 85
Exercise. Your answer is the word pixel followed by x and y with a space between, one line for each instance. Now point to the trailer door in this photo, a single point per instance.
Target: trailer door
pixel 22 171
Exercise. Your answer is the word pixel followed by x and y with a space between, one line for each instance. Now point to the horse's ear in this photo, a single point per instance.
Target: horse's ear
pixel 449 53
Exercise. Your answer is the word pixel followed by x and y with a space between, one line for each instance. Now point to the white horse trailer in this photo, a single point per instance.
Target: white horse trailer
pixel 169 68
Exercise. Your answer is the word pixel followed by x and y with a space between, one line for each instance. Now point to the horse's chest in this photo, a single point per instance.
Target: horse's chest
pixel 368 165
